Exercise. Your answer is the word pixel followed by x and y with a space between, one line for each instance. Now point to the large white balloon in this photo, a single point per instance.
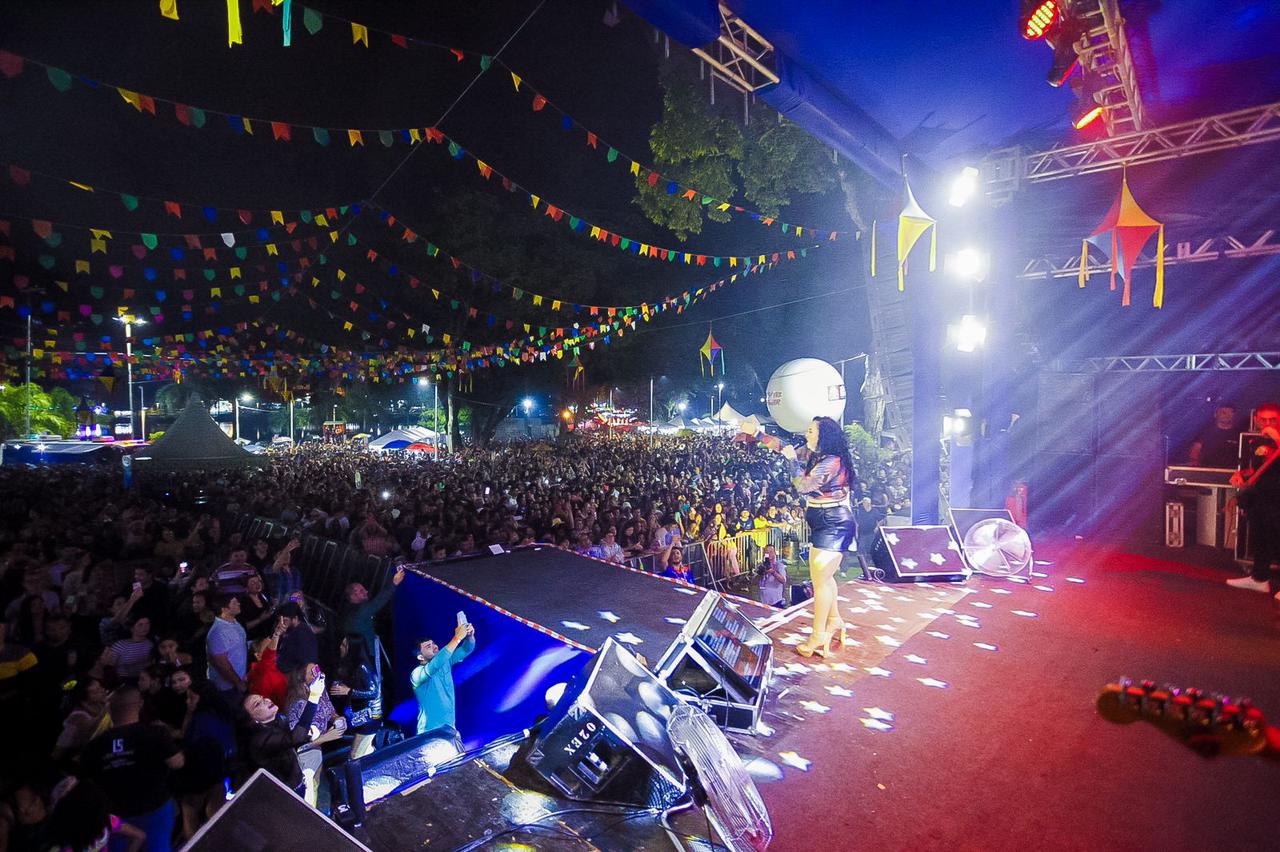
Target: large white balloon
pixel 803 389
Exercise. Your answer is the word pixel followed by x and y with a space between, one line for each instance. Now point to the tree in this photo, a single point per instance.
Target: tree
pixel 172 399
pixel 697 144
pixel 64 404
pixel 15 400
pixel 868 457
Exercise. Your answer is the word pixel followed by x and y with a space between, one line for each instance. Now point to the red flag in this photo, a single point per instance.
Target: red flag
pixel 148 103
pixel 245 216
pixel 180 112
pixel 538 103
pixel 280 131
pixel 173 208
pixel 10 64
pixel 653 178
pixel 21 177
pixel 591 139
pixel 458 53
pixel 399 40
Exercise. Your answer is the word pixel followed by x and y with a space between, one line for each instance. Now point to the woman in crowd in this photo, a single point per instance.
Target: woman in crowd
pixel 86 719
pixel 358 681
pixel 255 608
pixel 326 721
pixel 126 658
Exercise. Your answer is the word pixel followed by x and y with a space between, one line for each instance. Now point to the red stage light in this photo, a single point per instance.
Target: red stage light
pixel 1088 118
pixel 1039 20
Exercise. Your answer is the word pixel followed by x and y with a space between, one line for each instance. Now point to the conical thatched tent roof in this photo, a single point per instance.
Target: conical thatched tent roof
pixel 194 441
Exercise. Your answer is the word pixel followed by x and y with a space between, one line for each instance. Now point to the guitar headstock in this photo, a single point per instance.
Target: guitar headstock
pixel 1209 724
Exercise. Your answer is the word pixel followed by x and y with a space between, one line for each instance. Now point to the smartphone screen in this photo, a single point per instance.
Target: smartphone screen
pixel 462 618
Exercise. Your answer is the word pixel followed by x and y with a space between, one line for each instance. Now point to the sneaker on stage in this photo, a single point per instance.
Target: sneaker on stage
pixel 1250 584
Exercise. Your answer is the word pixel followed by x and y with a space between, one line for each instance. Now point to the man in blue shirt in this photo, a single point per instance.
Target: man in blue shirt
pixel 433 680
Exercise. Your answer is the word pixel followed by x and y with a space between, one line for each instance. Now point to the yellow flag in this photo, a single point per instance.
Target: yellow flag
pixel 534 199
pixel 321 220
pixel 342 275
pixel 555 305
pixel 253 300
pixel 248 128
pixel 235 272
pixel 83 186
pixel 98 246
pixel 537 300
pixel 235 35
pixel 131 98
pixel 359 33
pixel 635 167
pixel 271 249
pixel 277 217
pixel 82 266
pixel 169 8
pixel 346 326
pixel 101 234
pixel 414 134
pixel 355 137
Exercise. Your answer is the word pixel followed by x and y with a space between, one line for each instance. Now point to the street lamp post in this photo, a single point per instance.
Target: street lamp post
pixel 236 404
pixel 142 407
pixel 129 322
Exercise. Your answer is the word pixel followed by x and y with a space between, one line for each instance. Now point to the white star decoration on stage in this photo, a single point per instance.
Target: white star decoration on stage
pixel 842 667
pixel 1074 580
pixel 938 634
pixel 839 691
pixel 1001 592
pixel 629 638
pixel 892 538
pixel 878 672
pixel 575 625
pixel 685 591
pixel 815 707
pixel 937 558
pixel 951 545
pixel 1043 588
pixel 670 619
pixel 980 604
pixel 898 620
pixel 876 724
pixel 877 713
pixel 936 684
pixel 1023 613
pixel 985 646
pixel 909 563
pixel 790 758
pixel 912 658
pixel 888 640
pixel 608 616
pixel 763 730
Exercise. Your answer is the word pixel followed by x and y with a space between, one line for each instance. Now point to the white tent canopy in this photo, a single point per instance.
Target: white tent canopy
pixel 728 416
pixel 398 439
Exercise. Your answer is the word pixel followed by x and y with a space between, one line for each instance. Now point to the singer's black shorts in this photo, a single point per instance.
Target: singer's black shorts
pixel 831 527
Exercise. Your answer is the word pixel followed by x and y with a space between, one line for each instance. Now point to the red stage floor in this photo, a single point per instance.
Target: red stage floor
pixel 978 730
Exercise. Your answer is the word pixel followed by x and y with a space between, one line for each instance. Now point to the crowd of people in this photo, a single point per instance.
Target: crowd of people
pixel 151 658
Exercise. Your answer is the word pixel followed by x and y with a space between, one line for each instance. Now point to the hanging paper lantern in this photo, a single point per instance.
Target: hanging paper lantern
pixel 1125 230
pixel 710 352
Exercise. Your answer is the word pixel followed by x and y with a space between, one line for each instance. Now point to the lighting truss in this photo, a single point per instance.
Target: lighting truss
pixel 1105 60
pixel 1006 170
pixel 1198 362
pixel 740 56
pixel 1203 251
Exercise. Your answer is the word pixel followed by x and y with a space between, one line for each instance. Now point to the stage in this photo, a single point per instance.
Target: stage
pixel 963 718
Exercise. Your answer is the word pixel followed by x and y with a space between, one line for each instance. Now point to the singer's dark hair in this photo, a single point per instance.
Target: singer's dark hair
pixel 832 442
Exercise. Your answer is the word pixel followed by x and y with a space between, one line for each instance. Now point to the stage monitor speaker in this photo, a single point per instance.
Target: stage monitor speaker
pixel 265 815
pixel 606 739
pixel 724 659
pixel 962 520
pixel 915 554
pixel 355 784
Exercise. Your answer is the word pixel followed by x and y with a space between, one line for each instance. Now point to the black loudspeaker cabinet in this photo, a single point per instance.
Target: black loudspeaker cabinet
pixel 918 553
pixel 266 815
pixel 606 739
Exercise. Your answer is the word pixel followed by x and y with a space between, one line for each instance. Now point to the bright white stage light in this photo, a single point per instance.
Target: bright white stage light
pixel 968 334
pixel 968 264
pixel 964 186
pixel 423 381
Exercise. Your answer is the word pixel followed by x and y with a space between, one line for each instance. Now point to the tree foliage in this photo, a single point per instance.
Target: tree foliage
pixel 45 414
pixel 701 145
pixel 868 456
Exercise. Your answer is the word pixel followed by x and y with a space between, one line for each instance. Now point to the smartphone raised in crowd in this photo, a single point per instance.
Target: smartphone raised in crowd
pixel 462 618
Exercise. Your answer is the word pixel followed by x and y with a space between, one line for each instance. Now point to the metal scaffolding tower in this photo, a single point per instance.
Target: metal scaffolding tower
pixel 1107 65
pixel 1186 251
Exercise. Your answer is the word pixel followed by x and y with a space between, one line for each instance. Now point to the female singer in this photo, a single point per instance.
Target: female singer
pixel 825 479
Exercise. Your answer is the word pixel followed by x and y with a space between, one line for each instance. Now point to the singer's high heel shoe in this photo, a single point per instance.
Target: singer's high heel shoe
pixel 840 635
pixel 818 643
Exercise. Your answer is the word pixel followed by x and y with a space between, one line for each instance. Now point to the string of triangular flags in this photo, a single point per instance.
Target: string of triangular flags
pixel 314 20
pixel 12 65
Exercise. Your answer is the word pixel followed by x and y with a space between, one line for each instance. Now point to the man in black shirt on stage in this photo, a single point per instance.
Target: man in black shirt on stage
pixel 1219 445
pixel 1261 499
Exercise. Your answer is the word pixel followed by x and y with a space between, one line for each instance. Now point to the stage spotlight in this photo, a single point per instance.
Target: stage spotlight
pixel 964 186
pixel 423 381
pixel 1037 17
pixel 968 334
pixel 1087 117
pixel 968 264
pixel 528 405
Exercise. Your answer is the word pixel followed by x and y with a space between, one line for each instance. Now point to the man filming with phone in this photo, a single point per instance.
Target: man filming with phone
pixel 433 680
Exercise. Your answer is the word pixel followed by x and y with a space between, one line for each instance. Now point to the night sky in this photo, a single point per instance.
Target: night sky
pixel 936 65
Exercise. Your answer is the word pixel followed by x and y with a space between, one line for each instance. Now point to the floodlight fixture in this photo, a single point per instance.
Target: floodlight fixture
pixel 968 264
pixel 968 334
pixel 964 186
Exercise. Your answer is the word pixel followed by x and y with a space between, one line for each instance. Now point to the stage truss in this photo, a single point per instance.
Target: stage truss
pixel 1006 170
pixel 1187 363
pixel 1189 251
